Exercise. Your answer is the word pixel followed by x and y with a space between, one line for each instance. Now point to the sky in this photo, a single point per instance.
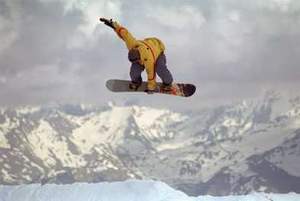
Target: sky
pixel 57 51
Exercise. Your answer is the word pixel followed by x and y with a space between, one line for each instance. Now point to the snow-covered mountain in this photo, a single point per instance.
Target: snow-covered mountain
pixel 232 149
pixel 122 191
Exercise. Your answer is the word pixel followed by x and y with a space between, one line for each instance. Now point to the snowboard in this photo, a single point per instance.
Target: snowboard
pixel 177 89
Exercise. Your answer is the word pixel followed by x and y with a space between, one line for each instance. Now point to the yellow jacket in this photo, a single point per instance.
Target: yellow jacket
pixel 149 48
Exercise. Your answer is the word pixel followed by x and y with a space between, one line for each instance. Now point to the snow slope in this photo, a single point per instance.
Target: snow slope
pixel 121 191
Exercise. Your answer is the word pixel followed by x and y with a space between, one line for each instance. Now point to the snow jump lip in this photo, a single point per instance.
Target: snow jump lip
pixel 121 191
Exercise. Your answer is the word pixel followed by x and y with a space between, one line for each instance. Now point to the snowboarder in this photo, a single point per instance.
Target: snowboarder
pixel 144 54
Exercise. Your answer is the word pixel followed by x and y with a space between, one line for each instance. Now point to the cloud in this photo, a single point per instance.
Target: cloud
pixel 178 17
pixel 7 35
pixel 9 21
pixel 3 80
pixel 90 11
pixel 282 5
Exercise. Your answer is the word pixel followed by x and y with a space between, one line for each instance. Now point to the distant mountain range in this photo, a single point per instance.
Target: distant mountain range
pixel 231 149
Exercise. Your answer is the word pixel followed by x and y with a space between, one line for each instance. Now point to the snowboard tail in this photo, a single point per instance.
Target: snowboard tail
pixel 177 89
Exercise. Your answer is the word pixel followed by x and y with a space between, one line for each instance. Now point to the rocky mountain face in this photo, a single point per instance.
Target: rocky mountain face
pixel 232 149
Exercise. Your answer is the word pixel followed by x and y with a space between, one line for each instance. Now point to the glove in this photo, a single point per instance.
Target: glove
pixel 107 22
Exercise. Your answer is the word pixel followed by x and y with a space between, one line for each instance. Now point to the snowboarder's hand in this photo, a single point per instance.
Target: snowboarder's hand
pixel 107 22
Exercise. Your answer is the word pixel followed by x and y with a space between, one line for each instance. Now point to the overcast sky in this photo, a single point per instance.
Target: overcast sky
pixel 56 51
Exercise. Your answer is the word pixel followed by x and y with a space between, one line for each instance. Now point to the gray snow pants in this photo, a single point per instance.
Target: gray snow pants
pixel 160 69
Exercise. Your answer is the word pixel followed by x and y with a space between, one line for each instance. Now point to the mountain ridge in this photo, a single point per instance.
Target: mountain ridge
pixel 223 150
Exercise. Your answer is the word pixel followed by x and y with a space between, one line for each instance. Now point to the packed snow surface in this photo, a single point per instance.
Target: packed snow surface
pixel 120 191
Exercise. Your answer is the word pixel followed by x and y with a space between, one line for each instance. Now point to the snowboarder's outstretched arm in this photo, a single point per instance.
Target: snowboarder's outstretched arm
pixel 122 32
pixel 147 55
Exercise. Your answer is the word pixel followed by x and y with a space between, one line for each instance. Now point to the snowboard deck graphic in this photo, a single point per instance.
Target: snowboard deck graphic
pixel 177 89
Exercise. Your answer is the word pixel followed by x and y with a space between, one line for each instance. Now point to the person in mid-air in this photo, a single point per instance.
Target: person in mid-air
pixel 144 54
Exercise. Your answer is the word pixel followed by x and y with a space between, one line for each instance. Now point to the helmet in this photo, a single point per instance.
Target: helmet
pixel 134 55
